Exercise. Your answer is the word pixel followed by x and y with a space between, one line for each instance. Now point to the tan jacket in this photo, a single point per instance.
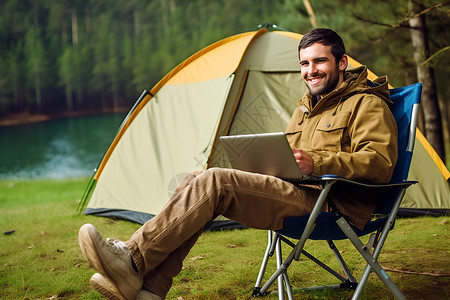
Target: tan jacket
pixel 351 133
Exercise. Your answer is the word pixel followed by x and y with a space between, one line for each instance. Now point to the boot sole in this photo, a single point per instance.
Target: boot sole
pixel 106 288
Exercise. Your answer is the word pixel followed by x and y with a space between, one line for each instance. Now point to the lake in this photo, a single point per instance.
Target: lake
pixel 57 149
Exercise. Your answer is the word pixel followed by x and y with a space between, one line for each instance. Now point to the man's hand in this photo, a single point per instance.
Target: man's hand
pixel 304 161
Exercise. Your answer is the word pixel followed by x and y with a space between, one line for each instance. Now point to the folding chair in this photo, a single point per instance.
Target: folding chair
pixel 331 226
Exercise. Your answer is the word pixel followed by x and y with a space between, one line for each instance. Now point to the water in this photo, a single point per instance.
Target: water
pixel 58 149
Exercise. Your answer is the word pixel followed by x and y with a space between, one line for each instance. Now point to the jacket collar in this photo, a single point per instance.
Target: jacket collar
pixel 355 81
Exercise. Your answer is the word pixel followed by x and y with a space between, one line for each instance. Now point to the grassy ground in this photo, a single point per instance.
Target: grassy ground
pixel 42 260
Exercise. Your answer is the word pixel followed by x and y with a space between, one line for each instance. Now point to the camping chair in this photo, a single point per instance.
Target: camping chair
pixel 331 226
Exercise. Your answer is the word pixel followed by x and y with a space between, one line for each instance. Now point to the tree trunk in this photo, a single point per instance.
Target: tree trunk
pixel 425 74
pixel 80 101
pixel 36 14
pixel 88 20
pixel 37 91
pixel 312 15
pixel 37 63
pixel 69 99
pixel 73 16
pixel 137 24
pixel 164 16
pixel 116 104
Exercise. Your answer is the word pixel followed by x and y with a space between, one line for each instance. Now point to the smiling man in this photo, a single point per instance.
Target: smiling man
pixel 342 126
pixel 321 73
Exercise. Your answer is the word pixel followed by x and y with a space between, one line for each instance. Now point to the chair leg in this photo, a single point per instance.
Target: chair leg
pixel 362 283
pixel 262 270
pixel 283 279
pixel 288 286
pixel 274 245
pixel 279 258
pixel 370 259
pixel 282 269
pixel 351 280
pixel 373 264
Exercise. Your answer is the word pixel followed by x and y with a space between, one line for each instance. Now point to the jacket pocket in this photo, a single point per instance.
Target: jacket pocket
pixel 295 128
pixel 330 132
pixel 294 135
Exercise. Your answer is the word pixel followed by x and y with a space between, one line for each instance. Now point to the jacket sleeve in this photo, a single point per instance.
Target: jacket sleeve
pixel 370 153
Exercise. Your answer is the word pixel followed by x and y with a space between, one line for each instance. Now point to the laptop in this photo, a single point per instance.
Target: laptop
pixel 264 153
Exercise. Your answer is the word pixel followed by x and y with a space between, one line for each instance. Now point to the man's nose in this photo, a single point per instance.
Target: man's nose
pixel 312 68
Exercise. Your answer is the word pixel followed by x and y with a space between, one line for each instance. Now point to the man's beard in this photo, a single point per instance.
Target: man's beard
pixel 330 84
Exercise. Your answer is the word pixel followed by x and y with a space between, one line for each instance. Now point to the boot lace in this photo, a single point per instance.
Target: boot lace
pixel 117 247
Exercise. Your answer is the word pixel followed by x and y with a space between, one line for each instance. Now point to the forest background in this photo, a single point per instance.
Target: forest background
pixel 70 57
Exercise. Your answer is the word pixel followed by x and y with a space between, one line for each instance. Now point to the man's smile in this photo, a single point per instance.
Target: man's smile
pixel 315 79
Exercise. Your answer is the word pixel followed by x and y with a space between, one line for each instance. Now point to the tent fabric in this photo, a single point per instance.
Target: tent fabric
pixel 153 151
pixel 246 83
pixel 433 155
pixel 433 190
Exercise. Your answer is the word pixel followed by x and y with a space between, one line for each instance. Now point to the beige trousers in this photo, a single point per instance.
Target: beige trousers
pixel 259 201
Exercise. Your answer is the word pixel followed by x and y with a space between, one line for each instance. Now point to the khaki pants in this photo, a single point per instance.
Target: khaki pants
pixel 259 201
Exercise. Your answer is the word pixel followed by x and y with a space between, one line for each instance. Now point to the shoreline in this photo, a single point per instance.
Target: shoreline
pixel 29 118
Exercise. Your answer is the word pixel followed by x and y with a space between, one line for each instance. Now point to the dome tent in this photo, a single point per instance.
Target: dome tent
pixel 246 83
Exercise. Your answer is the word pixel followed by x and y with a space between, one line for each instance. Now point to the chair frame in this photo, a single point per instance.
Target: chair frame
pixel 376 240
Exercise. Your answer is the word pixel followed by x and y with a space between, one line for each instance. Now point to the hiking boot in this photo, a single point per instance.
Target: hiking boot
pixel 112 259
pixel 110 291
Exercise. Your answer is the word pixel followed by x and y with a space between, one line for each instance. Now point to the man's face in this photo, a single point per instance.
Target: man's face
pixel 319 69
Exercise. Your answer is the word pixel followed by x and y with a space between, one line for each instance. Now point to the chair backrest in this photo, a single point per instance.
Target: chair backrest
pixel 405 110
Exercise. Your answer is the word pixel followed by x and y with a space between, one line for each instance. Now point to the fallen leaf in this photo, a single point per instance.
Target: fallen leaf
pixel 231 246
pixel 198 257
pixel 30 247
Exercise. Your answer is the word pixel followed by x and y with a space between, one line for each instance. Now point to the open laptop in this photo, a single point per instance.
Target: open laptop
pixel 264 153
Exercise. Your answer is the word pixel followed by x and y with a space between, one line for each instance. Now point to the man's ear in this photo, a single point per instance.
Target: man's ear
pixel 343 63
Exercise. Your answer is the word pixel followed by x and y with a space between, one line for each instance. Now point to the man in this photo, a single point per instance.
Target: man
pixel 342 126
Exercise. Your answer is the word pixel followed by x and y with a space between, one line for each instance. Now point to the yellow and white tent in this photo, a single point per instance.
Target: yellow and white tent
pixel 246 83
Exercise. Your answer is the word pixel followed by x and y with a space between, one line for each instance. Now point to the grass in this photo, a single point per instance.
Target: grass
pixel 42 260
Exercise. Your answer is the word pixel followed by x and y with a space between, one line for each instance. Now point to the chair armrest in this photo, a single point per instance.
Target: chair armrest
pixel 329 177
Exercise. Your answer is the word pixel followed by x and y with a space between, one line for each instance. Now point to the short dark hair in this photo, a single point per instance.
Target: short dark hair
pixel 325 37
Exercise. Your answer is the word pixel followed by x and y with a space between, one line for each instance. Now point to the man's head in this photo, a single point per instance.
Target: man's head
pixel 322 61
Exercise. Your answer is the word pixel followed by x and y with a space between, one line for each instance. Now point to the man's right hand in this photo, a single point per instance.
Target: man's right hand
pixel 304 161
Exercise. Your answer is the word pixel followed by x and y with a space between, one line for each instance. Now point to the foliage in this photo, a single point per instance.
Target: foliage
pixel 71 55
pixel 65 55
pixel 42 259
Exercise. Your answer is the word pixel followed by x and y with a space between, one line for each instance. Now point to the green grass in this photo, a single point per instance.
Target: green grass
pixel 42 260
